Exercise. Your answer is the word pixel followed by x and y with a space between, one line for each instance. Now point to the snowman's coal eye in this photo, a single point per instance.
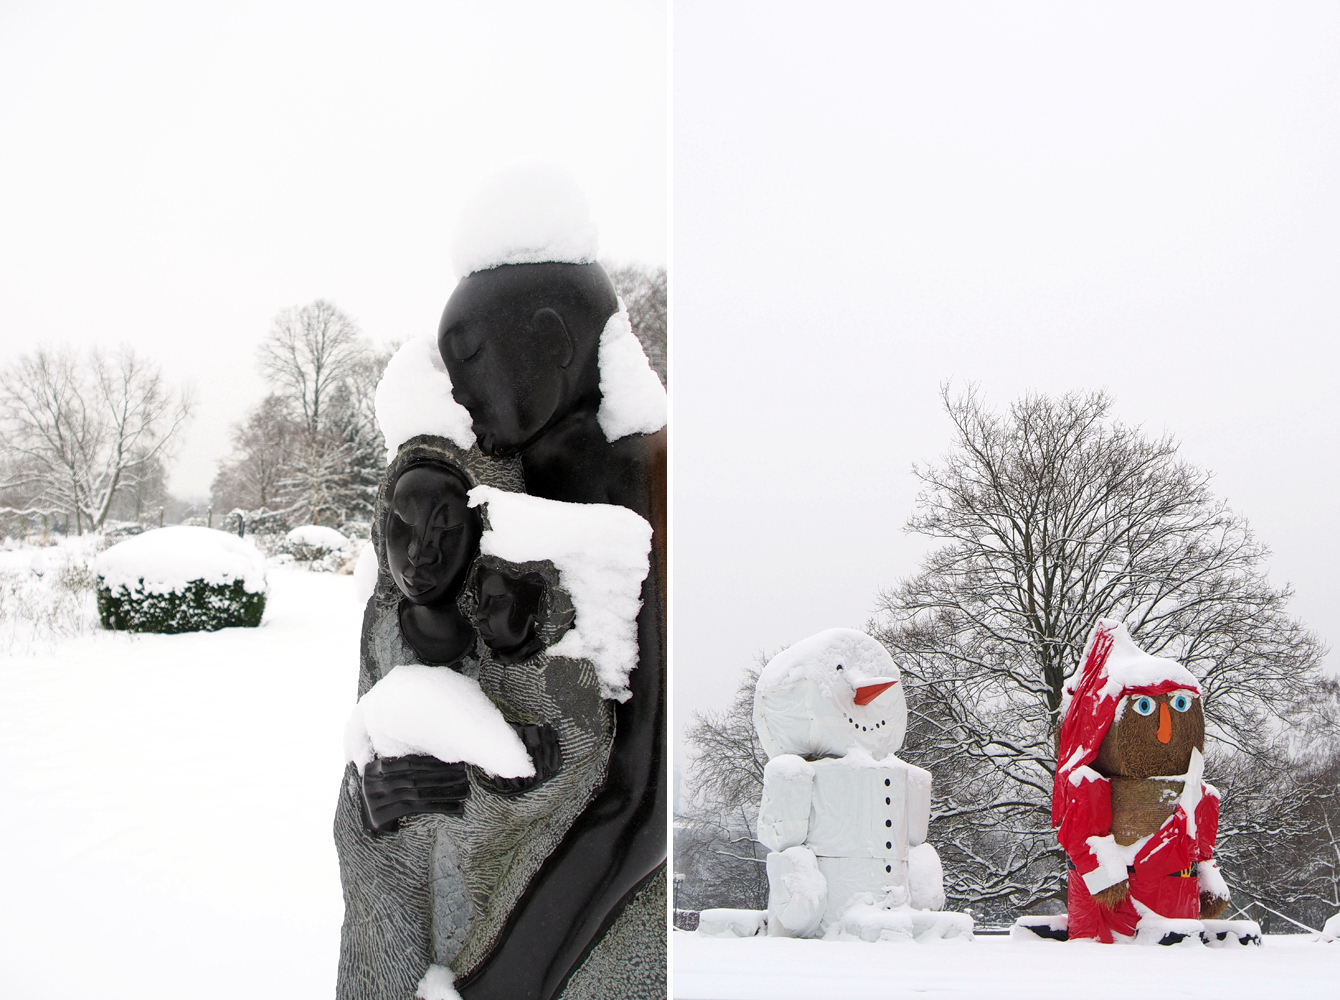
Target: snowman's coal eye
pixel 1145 705
pixel 1181 702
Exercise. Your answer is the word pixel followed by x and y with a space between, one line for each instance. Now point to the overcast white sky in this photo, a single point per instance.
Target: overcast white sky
pixel 872 198
pixel 173 174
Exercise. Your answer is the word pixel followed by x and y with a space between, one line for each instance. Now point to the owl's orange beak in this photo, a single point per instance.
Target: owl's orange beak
pixel 1165 724
pixel 865 695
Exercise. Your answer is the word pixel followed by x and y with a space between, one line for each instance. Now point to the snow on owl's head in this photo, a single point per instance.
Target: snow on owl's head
pixel 830 694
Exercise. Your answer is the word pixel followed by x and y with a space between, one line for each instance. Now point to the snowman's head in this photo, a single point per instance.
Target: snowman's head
pixel 829 694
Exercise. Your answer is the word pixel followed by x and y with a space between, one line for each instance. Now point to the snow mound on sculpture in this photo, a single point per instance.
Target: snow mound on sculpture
pixel 1127 666
pixel 527 213
pixel 632 399
pixel 414 397
pixel 168 560
pixel 417 709
pixel 601 552
pixel 437 984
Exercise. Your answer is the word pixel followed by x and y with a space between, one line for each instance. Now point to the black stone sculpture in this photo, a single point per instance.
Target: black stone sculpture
pixel 521 343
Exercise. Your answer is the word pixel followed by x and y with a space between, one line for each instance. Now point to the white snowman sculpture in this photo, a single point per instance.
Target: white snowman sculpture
pixel 844 819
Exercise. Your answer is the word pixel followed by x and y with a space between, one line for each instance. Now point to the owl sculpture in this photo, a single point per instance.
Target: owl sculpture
pixel 1130 806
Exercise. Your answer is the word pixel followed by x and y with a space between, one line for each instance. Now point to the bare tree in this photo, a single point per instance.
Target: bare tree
pixel 1051 517
pixel 264 446
pixel 311 350
pixel 312 451
pixel 79 429
pixel 716 849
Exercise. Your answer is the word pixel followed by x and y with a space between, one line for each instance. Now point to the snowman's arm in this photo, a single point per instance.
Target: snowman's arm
pixel 784 813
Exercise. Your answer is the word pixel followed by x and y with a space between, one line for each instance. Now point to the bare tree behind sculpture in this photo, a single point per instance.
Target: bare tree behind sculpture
pixel 312 450
pixel 310 351
pixel 78 429
pixel 1052 516
pixel 715 846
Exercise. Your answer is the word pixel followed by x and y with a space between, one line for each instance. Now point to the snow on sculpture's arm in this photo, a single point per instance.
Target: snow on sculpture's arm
pixel 601 552
pixel 784 813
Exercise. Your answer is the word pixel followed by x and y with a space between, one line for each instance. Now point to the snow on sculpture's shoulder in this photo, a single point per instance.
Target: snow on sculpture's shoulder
pixel 602 554
pixel 166 560
pixel 1129 666
pixel 414 397
pixel 863 660
pixel 632 399
pixel 527 213
pixel 417 709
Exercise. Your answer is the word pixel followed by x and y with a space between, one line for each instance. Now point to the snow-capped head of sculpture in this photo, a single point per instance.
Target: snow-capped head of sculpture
pixel 830 694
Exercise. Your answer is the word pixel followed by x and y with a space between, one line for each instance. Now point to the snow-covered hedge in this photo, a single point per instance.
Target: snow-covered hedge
pixel 181 579
pixel 311 542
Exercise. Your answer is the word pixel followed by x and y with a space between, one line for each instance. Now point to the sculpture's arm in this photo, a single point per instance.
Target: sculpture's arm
pixel 784 812
pixel 616 843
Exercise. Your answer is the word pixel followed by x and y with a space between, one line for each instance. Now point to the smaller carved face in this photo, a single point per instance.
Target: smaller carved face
pixel 431 533
pixel 1153 736
pixel 509 611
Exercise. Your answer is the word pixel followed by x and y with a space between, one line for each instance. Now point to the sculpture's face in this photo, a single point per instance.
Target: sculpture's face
pixel 507 352
pixel 1153 736
pixel 431 534
pixel 508 610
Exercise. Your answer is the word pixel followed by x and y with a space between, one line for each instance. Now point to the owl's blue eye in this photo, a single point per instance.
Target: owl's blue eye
pixel 1182 702
pixel 1144 705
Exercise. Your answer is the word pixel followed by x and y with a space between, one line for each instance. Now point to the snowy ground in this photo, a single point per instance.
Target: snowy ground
pixel 996 968
pixel 166 806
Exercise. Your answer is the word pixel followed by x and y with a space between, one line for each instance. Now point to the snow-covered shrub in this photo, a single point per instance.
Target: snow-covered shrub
pixel 181 579
pixel 47 593
pixel 321 548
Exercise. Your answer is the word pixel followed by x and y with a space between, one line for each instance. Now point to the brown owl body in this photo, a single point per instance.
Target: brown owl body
pixel 1143 755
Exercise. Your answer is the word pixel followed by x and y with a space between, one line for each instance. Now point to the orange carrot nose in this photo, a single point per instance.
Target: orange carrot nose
pixel 865 695
pixel 1165 724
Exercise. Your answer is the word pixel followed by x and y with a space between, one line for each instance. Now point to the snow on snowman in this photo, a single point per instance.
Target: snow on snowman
pixel 844 819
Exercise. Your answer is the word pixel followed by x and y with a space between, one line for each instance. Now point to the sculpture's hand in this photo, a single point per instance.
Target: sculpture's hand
pixel 542 744
pixel 1112 896
pixel 395 787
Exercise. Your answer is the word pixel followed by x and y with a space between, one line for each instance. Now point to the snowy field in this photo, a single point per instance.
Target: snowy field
pixel 996 968
pixel 167 805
